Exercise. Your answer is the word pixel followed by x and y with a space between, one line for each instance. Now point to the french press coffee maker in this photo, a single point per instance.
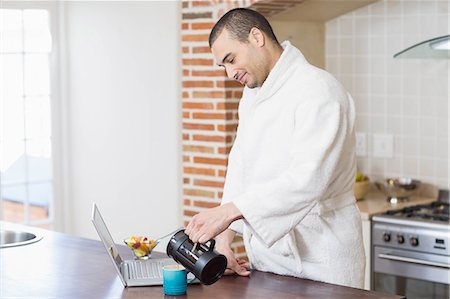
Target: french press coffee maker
pixel 200 259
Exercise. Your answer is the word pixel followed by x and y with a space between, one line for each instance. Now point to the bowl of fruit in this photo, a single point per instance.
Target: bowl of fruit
pixel 141 246
pixel 361 186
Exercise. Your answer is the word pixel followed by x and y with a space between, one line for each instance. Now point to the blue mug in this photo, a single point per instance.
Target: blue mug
pixel 175 280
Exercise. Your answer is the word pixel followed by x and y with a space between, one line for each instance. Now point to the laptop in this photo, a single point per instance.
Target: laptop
pixel 131 272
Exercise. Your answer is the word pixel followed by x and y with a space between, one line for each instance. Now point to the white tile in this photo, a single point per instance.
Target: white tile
pixel 427 147
pixel 410 126
pixel 345 46
pixel 378 105
pixel 442 7
pixel 393 66
pixel 362 65
pixel 426 167
pixel 378 65
pixel 394 124
pixel 362 165
pixel 378 85
pixel 346 81
pixel 346 65
pixel 410 7
pixel 346 26
pixel 442 26
pixel 442 128
pixel 394 167
pixel 394 107
pixel 378 166
pixel 361 45
pixel 427 127
pixel 410 167
pixel 394 86
pixel 427 7
pixel 394 8
pixel 331 46
pixel 362 26
pixel 332 65
pixel 428 24
pixel 442 148
pixel 393 46
pixel 394 26
pixel 377 26
pixel 410 146
pixel 410 85
pixel 441 168
pixel 411 106
pixel 361 84
pixel 377 123
pixel 361 123
pixel 378 46
pixel 442 109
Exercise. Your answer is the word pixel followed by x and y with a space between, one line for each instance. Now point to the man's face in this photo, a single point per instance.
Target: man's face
pixel 243 62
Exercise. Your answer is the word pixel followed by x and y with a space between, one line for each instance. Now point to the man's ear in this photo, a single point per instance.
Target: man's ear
pixel 257 37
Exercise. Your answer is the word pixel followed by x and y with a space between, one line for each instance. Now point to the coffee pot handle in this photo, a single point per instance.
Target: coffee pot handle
pixel 212 244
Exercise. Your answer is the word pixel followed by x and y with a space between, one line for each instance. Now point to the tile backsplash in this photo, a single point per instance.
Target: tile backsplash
pixel 407 99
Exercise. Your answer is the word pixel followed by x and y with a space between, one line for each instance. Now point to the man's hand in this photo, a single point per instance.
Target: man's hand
pixel 234 266
pixel 208 224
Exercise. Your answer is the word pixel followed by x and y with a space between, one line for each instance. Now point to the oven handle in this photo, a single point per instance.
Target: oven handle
pixel 412 260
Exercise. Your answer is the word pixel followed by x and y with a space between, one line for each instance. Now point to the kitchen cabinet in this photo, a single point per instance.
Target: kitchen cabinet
pixel 63 266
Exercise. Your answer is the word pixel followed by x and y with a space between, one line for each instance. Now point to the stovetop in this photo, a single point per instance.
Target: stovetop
pixel 434 215
pixel 436 212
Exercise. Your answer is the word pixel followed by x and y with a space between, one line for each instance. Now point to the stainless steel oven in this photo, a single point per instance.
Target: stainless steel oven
pixel 411 252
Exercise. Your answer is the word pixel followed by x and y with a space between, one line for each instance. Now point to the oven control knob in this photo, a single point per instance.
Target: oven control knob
pixel 414 241
pixel 400 239
pixel 386 237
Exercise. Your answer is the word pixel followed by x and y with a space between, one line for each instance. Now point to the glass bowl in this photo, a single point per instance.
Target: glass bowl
pixel 141 246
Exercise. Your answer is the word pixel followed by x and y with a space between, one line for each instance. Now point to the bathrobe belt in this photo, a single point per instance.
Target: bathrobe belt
pixel 334 203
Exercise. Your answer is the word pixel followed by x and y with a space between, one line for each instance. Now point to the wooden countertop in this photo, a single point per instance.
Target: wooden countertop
pixel 62 266
pixel 376 203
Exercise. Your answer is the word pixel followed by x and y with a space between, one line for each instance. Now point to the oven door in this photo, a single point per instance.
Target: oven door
pixel 411 274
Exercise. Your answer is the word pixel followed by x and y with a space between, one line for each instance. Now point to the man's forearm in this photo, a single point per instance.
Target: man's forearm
pixel 226 237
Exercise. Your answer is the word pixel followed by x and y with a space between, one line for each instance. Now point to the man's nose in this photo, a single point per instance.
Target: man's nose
pixel 230 73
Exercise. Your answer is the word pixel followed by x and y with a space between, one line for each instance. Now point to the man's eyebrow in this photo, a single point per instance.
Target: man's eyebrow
pixel 224 58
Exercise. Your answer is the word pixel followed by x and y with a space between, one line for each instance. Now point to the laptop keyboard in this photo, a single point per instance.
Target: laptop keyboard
pixel 144 270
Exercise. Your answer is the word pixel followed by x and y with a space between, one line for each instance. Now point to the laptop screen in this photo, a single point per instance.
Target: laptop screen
pixel 105 236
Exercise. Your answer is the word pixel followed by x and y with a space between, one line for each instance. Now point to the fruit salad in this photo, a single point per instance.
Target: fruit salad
pixel 141 246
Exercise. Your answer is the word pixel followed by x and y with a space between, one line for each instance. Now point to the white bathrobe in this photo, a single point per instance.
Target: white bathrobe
pixel 291 173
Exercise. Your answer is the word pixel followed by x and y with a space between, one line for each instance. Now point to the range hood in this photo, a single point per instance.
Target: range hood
pixel 437 48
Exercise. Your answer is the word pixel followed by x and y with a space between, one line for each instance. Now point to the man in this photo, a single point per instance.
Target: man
pixel 289 182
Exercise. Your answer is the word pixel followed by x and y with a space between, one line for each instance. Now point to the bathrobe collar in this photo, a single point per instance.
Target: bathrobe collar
pixel 281 72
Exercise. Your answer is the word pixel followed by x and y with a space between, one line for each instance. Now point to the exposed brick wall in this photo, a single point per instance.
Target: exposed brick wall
pixel 209 105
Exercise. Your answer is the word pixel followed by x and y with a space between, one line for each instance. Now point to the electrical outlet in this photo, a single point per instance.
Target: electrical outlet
pixel 361 144
pixel 383 145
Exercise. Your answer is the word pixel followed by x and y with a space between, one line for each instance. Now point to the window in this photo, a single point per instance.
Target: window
pixel 26 176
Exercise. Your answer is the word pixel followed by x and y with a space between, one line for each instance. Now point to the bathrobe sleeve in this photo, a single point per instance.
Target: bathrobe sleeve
pixel 234 181
pixel 276 207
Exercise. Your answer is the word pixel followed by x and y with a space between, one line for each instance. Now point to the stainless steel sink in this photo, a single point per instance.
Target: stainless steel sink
pixel 12 238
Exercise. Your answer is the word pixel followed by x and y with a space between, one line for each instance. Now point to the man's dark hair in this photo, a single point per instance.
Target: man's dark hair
pixel 239 22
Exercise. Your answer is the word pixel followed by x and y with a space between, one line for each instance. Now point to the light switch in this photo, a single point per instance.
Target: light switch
pixel 383 145
pixel 361 144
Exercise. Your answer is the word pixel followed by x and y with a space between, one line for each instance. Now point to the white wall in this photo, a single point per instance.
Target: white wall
pixel 122 87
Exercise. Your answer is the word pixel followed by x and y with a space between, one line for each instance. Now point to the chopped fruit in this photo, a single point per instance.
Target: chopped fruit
pixel 141 246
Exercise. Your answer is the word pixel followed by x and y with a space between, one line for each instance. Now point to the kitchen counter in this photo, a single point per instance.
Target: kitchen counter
pixel 63 266
pixel 376 203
